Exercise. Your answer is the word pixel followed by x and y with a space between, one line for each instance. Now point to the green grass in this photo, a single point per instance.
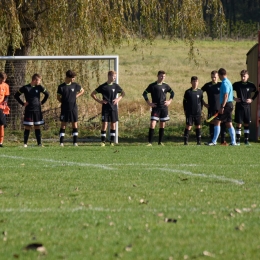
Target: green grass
pixel 89 202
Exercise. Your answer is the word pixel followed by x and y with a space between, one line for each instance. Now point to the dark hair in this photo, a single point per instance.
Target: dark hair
pixel 2 75
pixel 70 74
pixel 213 72
pixel 194 78
pixel 243 72
pixel 161 72
pixel 36 76
pixel 222 72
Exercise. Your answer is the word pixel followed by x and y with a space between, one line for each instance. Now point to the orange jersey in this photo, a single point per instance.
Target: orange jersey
pixel 4 91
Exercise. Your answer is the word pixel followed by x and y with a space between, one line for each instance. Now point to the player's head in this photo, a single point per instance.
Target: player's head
pixel 222 73
pixel 214 76
pixel 161 75
pixel 194 81
pixel 36 79
pixel 70 74
pixel 244 75
pixel 111 75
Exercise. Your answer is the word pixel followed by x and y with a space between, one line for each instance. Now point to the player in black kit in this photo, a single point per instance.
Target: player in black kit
pixel 32 104
pixel 212 89
pixel 109 91
pixel 192 105
pixel 67 94
pixel 244 90
pixel 159 105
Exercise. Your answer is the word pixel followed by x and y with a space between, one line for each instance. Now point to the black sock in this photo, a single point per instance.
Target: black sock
pixel 161 134
pixel 112 135
pixel 150 137
pixel 246 133
pixel 103 136
pixel 198 135
pixel 75 135
pixel 186 135
pixel 211 131
pixel 26 136
pixel 238 134
pixel 38 136
pixel 62 134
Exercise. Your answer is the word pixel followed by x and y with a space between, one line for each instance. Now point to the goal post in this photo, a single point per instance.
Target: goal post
pixel 91 71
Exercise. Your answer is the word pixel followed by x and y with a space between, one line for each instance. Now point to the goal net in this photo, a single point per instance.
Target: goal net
pixel 91 72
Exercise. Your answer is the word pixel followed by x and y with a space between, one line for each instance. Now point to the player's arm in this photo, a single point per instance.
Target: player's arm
pixel 145 95
pixel 255 95
pixel 46 96
pixel 116 100
pixel 225 98
pixel 168 102
pixel 80 92
pixel 94 96
pixel 17 97
pixel 59 97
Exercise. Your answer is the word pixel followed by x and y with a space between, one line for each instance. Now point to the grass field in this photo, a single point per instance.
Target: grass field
pixel 130 202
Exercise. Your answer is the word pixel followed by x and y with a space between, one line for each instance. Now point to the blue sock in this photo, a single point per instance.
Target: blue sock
pixel 216 134
pixel 232 134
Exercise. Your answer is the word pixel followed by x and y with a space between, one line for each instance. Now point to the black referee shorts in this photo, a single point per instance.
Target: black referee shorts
pixel 227 113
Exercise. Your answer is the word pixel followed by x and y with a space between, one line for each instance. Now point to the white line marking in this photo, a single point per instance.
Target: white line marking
pixel 61 162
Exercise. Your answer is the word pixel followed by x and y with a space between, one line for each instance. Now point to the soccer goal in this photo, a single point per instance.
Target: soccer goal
pixel 91 72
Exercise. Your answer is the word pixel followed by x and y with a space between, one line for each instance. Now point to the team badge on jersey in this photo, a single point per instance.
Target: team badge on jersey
pixel 163 89
pixel 247 89
pixel 113 89
pixel 36 90
pixel 198 96
pixel 72 89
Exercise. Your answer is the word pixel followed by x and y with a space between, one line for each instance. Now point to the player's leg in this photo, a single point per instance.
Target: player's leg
pixel 28 122
pixel 164 117
pixel 247 120
pixel 189 123
pixel 223 133
pixel 197 123
pixel 2 129
pixel 114 119
pixel 239 114
pixel 75 133
pixel 238 133
pixel 211 124
pixel 228 118
pixel 38 121
pixel 62 132
pixel 154 120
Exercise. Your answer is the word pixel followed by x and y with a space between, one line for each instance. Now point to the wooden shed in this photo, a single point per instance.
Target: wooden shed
pixel 253 67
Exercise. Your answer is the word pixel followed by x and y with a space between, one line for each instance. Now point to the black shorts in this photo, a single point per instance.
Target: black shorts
pixel 243 114
pixel 191 119
pixel 160 114
pixel 2 118
pixel 109 115
pixel 32 118
pixel 227 113
pixel 69 116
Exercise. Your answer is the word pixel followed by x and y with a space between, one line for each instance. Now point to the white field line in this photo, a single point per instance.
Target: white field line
pixel 203 175
pixel 60 162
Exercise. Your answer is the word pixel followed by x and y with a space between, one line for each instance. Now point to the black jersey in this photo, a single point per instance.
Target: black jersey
pixel 193 101
pixel 109 93
pixel 158 93
pixel 32 96
pixel 68 95
pixel 212 90
pixel 244 91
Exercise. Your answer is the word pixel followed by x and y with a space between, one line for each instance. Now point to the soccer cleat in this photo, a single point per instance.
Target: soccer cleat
pixel 25 145
pixel 1 145
pixel 198 143
pixel 102 144
pixel 75 144
pixel 61 144
pixel 149 144
pixel 210 144
pixel 238 143
pixel 185 143
pixel 161 144
pixel 224 143
pixel 247 143
pixel 40 145
pixel 112 144
pixel 233 144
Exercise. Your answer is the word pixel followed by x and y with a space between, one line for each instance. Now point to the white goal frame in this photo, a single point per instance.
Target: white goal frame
pixel 114 58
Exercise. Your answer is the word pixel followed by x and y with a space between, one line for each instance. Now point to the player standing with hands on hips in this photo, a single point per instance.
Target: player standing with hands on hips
pixel 244 90
pixel 226 108
pixel 67 95
pixel 32 112
pixel 109 91
pixel 159 105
